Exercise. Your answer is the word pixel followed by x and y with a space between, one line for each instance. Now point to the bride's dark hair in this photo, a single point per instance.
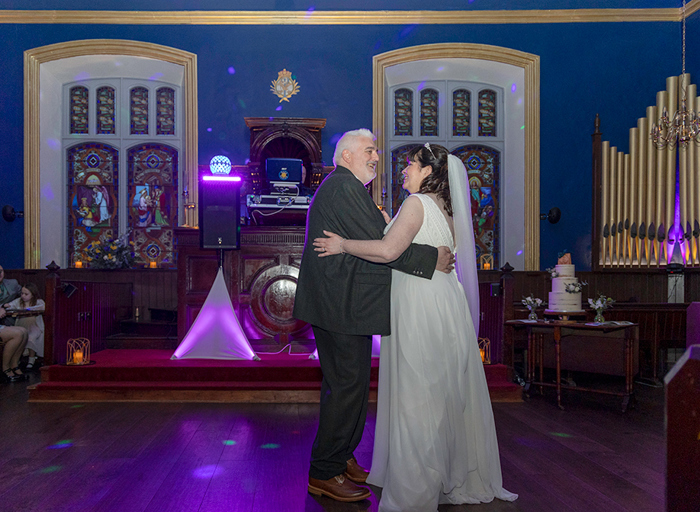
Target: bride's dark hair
pixel 437 182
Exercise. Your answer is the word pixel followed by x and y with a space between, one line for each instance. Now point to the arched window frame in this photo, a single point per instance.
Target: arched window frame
pixel 518 72
pixel 44 66
pixel 122 140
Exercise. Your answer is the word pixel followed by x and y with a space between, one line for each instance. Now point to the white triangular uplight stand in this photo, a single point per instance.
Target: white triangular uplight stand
pixel 216 332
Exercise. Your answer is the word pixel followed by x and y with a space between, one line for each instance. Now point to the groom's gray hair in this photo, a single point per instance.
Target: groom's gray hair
pixel 348 141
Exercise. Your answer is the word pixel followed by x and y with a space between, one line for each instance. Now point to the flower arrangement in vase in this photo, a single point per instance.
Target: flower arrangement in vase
pixel 110 253
pixel 532 303
pixel 599 305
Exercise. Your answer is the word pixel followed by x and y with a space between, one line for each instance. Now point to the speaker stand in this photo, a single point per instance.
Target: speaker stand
pixel 220 253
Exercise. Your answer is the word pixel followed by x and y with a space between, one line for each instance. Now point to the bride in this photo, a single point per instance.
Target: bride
pixel 435 439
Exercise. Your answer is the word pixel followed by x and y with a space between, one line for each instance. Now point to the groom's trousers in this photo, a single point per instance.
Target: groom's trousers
pixel 346 362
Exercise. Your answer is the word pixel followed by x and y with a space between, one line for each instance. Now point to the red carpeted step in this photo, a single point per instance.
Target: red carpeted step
pixel 145 374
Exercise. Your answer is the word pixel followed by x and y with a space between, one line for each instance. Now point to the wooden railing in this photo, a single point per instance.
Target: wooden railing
pixel 100 299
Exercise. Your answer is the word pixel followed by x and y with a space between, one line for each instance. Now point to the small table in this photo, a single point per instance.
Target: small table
pixel 21 313
pixel 536 329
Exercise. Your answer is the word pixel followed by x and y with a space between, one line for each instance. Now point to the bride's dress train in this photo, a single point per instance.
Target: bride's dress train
pixel 435 439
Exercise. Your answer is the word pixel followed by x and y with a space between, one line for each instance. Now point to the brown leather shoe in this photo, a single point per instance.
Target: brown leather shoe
pixel 355 472
pixel 338 488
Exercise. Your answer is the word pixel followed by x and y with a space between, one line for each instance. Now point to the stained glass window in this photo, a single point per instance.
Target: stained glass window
pixel 403 112
pixel 429 113
pixel 487 113
pixel 461 113
pixel 106 122
pixel 483 169
pixel 79 109
pixel 139 111
pixel 153 170
pixel 165 117
pixel 93 174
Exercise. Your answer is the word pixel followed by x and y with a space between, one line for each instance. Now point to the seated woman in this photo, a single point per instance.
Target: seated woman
pixel 12 340
pixel 29 299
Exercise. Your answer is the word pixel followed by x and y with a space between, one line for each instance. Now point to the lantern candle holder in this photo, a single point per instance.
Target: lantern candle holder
pixel 78 351
pixel 486 261
pixel 485 350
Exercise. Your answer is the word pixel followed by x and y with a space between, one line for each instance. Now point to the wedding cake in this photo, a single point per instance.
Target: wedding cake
pixel 565 296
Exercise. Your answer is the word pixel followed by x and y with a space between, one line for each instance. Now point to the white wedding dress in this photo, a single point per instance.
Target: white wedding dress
pixel 435 439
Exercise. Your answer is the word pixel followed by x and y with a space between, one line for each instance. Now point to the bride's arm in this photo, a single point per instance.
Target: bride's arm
pixel 394 243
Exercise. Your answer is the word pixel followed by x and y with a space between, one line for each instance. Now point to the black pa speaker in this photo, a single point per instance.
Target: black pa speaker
pixel 219 212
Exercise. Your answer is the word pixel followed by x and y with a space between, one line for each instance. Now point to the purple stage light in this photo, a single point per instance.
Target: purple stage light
pixel 221 178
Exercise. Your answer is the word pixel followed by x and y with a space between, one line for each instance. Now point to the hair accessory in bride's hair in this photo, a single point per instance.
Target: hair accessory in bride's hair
pixel 427 146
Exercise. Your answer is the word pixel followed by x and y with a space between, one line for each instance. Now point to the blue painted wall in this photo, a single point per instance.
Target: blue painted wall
pixel 613 69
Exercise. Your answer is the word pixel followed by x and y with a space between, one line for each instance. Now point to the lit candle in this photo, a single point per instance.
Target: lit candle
pixel 78 264
pixel 78 357
pixel 152 264
pixel 487 266
pixel 483 355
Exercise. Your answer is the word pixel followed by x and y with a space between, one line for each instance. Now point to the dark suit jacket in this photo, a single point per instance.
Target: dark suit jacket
pixel 343 293
pixel 10 291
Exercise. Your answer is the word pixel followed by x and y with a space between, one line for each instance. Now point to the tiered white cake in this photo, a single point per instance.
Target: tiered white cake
pixel 559 299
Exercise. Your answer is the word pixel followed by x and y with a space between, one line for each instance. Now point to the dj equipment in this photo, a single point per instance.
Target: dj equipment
pixel 275 202
pixel 277 210
pixel 283 171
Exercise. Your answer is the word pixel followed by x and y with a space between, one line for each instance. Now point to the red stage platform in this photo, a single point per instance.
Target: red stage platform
pixel 150 375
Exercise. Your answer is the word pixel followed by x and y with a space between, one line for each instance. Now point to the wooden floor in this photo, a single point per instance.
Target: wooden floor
pixel 189 457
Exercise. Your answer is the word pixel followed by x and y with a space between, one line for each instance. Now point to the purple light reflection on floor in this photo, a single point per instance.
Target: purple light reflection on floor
pixel 207 472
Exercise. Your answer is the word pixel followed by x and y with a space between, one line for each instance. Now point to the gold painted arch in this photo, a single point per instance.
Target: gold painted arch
pixel 531 66
pixel 34 58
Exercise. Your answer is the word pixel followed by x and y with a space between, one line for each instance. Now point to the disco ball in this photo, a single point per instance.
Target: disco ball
pixel 220 165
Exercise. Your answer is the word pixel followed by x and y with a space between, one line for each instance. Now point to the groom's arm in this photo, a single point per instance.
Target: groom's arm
pixel 362 220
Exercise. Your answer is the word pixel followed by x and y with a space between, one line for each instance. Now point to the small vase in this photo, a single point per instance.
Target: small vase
pixel 599 316
pixel 532 315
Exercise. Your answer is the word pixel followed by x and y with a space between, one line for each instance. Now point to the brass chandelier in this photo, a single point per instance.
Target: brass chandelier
pixel 685 125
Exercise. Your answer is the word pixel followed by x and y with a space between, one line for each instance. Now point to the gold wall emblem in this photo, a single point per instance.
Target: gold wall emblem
pixel 284 87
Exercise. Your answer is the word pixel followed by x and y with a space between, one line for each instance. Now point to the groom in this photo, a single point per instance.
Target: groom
pixel 346 300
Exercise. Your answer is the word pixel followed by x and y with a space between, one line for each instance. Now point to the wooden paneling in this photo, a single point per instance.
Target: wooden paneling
pixel 152 288
pixel 261 277
pixel 682 427
pixel 93 312
pixel 102 298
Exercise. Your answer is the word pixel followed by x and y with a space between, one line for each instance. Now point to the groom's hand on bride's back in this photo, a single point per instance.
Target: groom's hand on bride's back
pixel 446 260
